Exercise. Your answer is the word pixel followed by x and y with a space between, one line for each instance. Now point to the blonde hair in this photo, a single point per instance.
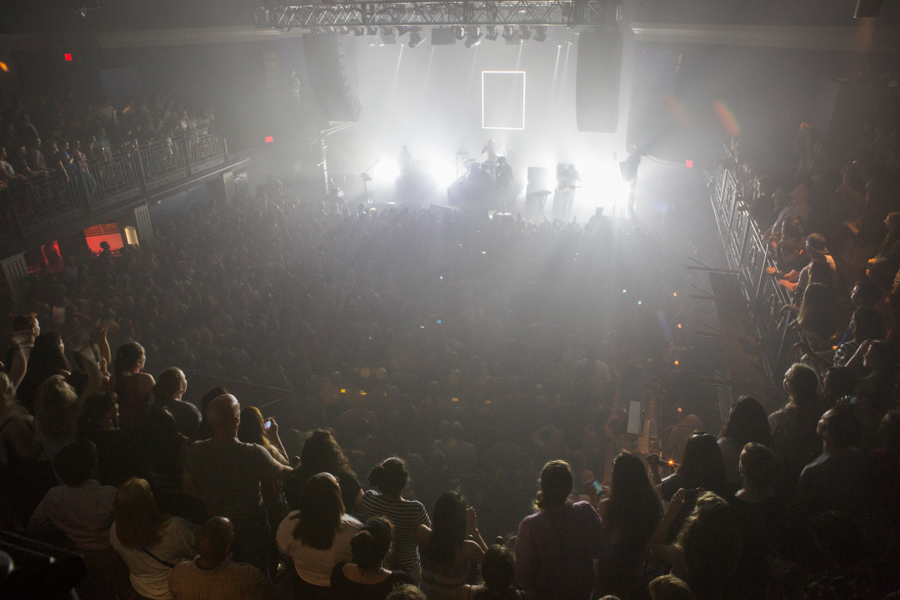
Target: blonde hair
pixel 139 524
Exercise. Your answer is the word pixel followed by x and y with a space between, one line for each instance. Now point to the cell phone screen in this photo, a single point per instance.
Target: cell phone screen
pixel 267 424
pixel 597 487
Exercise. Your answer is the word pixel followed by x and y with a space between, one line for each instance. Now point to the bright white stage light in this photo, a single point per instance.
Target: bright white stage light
pixel 387 169
pixel 443 171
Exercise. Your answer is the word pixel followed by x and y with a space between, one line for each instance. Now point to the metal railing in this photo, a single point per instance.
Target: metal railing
pixel 747 252
pixel 41 201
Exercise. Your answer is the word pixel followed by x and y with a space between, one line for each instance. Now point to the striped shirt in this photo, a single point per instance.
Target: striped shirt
pixel 405 516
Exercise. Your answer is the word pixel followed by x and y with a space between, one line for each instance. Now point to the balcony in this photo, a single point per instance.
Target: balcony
pixel 45 204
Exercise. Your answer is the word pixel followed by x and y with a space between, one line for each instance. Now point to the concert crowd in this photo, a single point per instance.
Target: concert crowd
pixel 450 415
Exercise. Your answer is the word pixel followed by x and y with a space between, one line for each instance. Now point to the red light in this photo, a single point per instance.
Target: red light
pixel 67 56
pixel 268 139
pixel 689 164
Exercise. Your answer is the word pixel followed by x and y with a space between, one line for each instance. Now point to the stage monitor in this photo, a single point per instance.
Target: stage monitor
pixel 503 99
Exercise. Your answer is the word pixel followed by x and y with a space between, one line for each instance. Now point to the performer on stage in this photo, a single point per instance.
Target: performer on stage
pixel 567 182
pixel 504 179
pixel 490 153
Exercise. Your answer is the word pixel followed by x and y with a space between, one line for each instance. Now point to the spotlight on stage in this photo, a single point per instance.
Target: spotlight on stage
pixel 524 33
pixel 415 37
pixel 388 37
pixel 540 33
pixel 491 33
pixel 473 36
pixel 458 32
pixel 510 35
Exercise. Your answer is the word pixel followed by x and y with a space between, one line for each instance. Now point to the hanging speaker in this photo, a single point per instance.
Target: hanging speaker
pixel 331 67
pixel 598 74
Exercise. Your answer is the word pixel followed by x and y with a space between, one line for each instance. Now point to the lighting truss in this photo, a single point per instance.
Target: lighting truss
pixel 441 13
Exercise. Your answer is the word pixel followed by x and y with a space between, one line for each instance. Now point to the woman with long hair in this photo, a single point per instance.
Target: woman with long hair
pixel 556 546
pixel 365 577
pixel 252 430
pixel 498 570
pixel 445 548
pixel 134 390
pixel 747 422
pixel 701 466
pixel 167 392
pixel 705 554
pixel 317 536
pixel 389 479
pixel 149 542
pixel 816 313
pixel 630 514
pixel 47 358
pixel 322 454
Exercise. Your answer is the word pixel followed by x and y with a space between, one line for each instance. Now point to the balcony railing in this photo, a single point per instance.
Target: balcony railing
pixel 747 253
pixel 43 201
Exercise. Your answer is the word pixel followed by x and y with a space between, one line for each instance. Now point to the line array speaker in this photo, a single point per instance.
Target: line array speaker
pixel 331 68
pixel 598 74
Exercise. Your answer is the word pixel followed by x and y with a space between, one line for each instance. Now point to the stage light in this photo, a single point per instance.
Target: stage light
pixel 473 36
pixel 415 37
pixel 371 31
pixel 491 33
pixel 540 33
pixel 458 32
pixel 510 35
pixel 343 30
pixel 3 67
pixel 358 31
pixel 67 57
pixel 387 36
pixel 402 30
pixel 524 33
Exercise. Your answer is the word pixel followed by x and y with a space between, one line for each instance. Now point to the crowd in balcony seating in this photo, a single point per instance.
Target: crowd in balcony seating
pixel 454 428
pixel 41 135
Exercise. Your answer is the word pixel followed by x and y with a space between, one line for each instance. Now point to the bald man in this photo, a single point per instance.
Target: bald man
pixel 225 473
pixel 212 575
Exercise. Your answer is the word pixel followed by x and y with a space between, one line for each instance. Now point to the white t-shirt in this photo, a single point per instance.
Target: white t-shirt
pixel 149 576
pixel 315 566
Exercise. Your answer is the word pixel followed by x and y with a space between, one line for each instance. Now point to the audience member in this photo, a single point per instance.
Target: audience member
pixel 390 479
pixel 499 572
pixel 322 454
pixel 317 536
pixel 226 474
pixel 793 427
pixel 747 423
pixel 213 575
pixel 365 578
pixel 150 543
pixel 630 514
pixel 170 386
pixel 556 546
pixel 446 550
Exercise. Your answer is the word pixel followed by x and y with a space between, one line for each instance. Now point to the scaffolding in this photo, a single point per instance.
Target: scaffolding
pixel 439 13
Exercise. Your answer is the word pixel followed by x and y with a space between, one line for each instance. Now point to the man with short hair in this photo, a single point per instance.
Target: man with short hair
pixel 83 510
pixel 212 575
pixel 226 473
